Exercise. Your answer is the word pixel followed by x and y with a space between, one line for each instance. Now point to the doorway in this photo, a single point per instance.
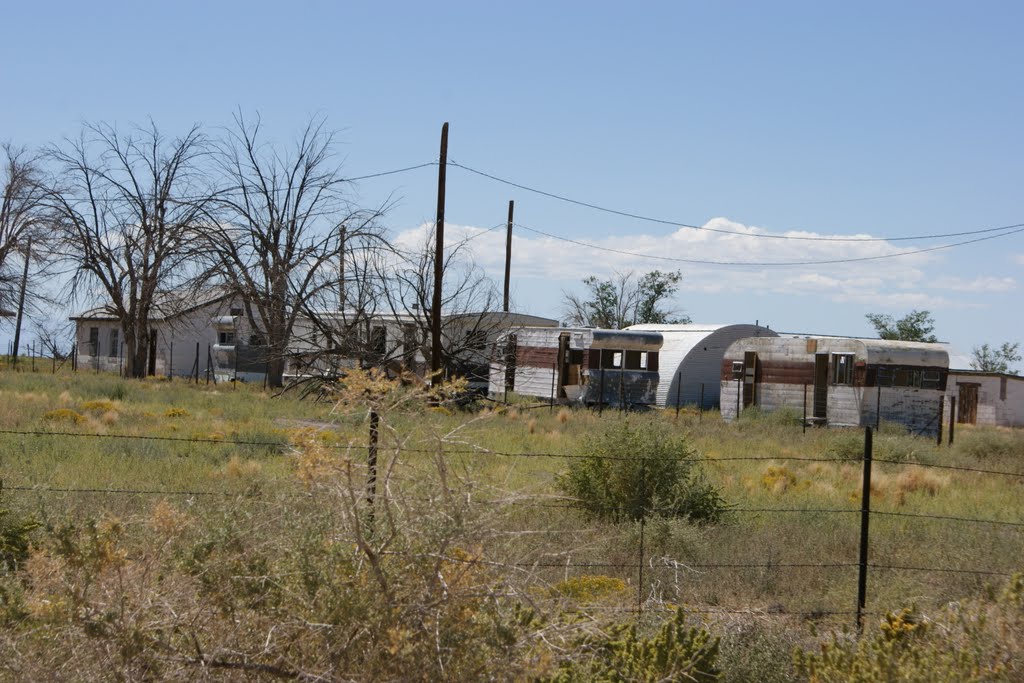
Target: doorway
pixel 152 353
pixel 820 412
pixel 750 377
pixel 967 403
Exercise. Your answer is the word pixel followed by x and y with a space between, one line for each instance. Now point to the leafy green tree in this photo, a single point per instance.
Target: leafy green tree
pixel 914 326
pixel 989 359
pixel 625 300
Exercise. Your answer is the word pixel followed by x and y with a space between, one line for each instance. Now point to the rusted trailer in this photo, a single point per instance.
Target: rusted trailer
pixel 838 381
pixel 581 365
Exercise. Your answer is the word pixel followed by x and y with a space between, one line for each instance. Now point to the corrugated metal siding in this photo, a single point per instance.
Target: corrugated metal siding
pixel 787 364
pixel 693 355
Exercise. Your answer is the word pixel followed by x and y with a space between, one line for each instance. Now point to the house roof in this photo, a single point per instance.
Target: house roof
pixel 167 305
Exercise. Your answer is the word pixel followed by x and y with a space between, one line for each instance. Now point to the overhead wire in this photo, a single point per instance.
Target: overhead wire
pixel 761 264
pixel 704 228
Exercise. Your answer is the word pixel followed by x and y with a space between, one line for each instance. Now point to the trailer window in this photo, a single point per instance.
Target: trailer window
pixel 611 360
pixel 633 360
pixel 842 368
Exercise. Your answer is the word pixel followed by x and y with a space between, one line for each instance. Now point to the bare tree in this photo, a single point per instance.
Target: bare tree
pixel 275 242
pixel 126 208
pixel 470 304
pixel 22 219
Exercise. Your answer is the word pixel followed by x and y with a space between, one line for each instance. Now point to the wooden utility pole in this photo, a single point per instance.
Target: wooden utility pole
pixel 435 308
pixel 21 305
pixel 508 253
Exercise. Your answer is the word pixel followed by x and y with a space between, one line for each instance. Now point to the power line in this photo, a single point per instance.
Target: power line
pixel 683 224
pixel 239 190
pixel 706 262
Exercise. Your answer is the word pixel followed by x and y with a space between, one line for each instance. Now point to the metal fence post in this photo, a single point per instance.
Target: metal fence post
pixel 600 397
pixel 700 413
pixel 739 394
pixel 679 386
pixel 805 408
pixel 554 373
pixel 865 518
pixel 942 411
pixel 952 417
pixel 878 408
pixel 643 522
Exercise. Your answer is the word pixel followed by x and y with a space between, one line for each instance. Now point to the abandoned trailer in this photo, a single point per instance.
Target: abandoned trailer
pixel 578 365
pixel 837 381
pixel 691 360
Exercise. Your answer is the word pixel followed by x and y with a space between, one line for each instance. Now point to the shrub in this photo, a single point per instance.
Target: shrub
pixel 590 588
pixel 964 642
pixel 176 412
pixel 64 415
pixel 675 653
pixel 14 540
pixel 100 405
pixel 626 473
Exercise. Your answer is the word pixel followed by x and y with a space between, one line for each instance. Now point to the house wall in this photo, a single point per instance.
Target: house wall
pixel 992 408
pixel 176 340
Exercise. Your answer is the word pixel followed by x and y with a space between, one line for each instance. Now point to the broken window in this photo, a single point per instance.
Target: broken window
pixel 633 360
pixel 94 341
pixel 113 343
pixel 226 338
pixel 379 341
pixel 842 368
pixel 409 341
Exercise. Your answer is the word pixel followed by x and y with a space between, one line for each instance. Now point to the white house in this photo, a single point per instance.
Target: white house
pixel 211 333
pixel 185 333
pixel 986 398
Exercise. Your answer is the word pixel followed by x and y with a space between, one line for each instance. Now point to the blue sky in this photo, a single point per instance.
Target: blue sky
pixel 833 119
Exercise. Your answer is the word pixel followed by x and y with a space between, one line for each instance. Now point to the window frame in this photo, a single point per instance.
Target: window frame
pixel 842 365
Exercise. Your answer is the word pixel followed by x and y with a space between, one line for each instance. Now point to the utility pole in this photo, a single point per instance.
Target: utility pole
pixel 21 305
pixel 508 252
pixel 435 308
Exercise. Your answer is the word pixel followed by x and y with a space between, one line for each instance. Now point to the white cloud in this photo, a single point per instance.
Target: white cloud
pixel 978 284
pixel 852 276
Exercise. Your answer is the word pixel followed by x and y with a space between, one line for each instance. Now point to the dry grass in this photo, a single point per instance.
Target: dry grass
pixel 289 515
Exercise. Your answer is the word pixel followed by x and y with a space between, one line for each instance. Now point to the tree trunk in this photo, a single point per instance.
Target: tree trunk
pixel 275 380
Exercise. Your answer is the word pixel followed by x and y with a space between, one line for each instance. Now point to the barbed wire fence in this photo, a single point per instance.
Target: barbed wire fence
pixel 659 577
